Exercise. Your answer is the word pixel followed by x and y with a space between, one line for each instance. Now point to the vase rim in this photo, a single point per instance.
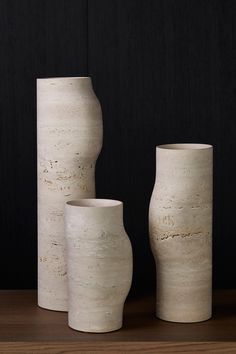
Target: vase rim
pixel 184 146
pixel 94 203
pixel 64 78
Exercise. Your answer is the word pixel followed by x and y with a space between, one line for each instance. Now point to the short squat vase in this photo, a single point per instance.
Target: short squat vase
pixel 180 226
pixel 69 139
pixel 99 264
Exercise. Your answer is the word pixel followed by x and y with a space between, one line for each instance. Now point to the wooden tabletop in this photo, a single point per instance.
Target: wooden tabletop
pixel 26 328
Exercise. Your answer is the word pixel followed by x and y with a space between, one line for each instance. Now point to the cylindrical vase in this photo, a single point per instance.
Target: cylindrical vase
pixel 99 258
pixel 69 140
pixel 180 226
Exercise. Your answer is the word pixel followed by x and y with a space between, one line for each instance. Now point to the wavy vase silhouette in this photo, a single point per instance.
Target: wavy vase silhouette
pixel 99 257
pixel 180 225
pixel 69 140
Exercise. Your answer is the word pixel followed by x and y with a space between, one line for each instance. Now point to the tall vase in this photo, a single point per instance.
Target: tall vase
pixel 69 140
pixel 180 225
pixel 99 264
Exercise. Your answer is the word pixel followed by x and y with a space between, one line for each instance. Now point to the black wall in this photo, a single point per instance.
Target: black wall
pixel 164 71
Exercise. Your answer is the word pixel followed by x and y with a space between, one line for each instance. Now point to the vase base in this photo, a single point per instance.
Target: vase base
pixel 50 309
pixel 90 330
pixel 53 305
pixel 184 320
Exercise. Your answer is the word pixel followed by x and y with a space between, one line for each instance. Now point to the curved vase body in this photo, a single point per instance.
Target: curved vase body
pixel 180 226
pixel 99 264
pixel 69 139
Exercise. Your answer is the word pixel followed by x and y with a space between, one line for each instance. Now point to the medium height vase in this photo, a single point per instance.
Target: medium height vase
pixel 180 225
pixel 69 140
pixel 99 264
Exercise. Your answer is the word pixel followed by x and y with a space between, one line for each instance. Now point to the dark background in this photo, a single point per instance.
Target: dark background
pixel 164 71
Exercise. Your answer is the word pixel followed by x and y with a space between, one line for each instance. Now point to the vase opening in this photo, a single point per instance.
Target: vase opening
pixel 185 146
pixel 94 203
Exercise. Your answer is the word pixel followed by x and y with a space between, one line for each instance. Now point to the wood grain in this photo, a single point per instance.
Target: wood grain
pixel 117 347
pixel 24 328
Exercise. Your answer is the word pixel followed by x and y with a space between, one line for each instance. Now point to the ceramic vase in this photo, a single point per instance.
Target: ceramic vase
pixel 180 225
pixel 99 264
pixel 69 139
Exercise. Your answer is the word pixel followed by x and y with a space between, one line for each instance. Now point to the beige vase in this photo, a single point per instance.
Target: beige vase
pixel 180 225
pixel 99 264
pixel 69 139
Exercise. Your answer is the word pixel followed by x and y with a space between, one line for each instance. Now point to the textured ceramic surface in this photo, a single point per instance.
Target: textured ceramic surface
pixel 180 225
pixel 69 139
pixel 99 264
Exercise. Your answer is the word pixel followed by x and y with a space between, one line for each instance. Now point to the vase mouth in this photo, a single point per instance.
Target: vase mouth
pixel 185 146
pixel 94 203
pixel 65 78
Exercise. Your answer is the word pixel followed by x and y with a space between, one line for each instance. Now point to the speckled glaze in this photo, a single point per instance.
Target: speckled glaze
pixel 69 139
pixel 180 225
pixel 99 264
